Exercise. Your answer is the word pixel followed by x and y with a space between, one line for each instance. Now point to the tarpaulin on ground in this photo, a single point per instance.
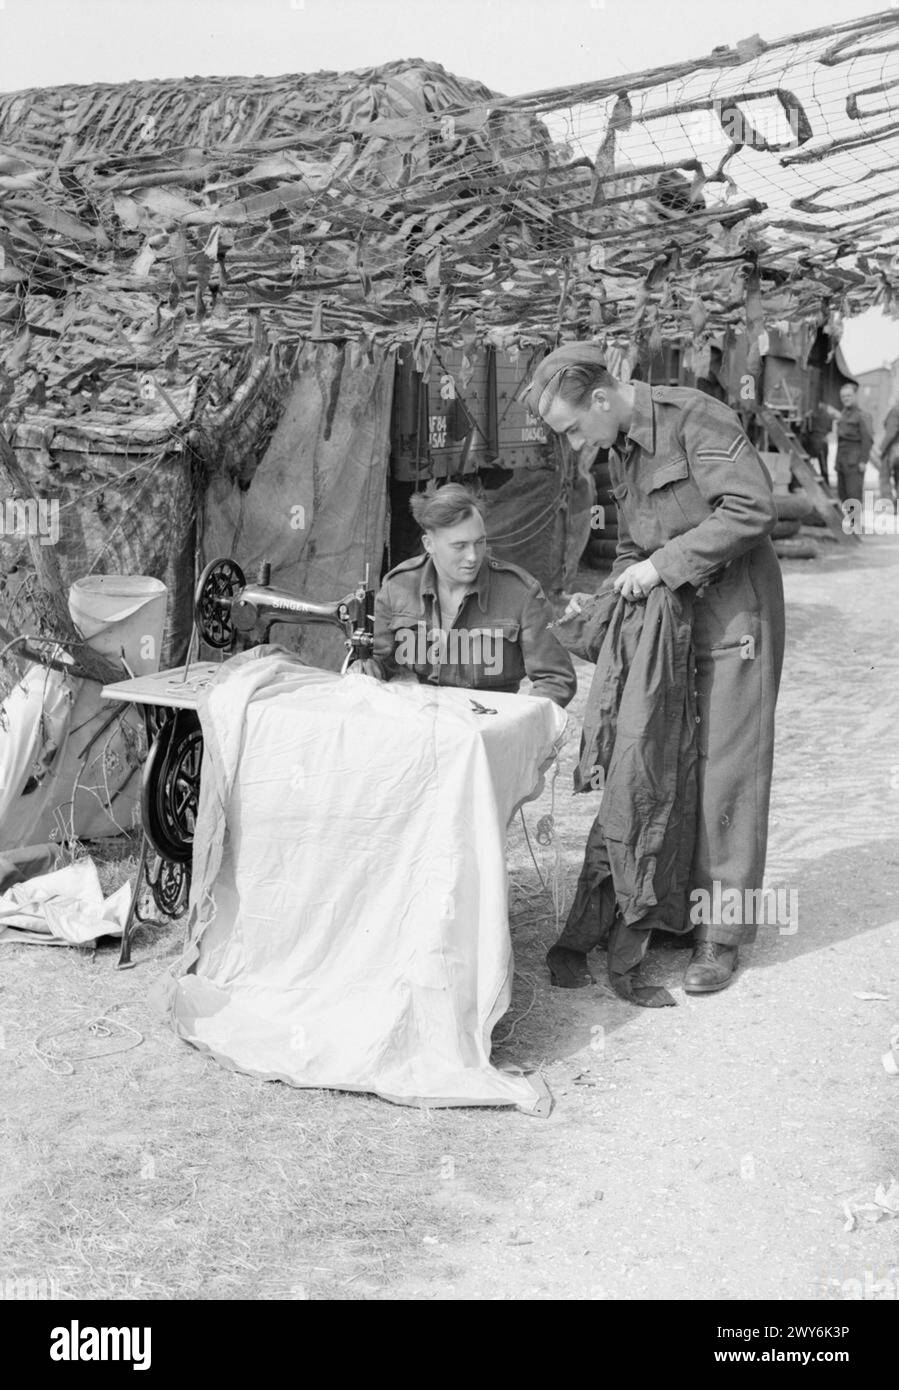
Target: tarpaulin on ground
pixel 348 919
pixel 315 508
pixel 64 907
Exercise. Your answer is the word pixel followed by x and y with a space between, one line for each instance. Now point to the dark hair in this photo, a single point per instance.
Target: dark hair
pixel 573 372
pixel 447 506
pixel 576 384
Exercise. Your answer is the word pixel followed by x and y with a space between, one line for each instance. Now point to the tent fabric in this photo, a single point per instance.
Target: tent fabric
pixel 68 765
pixel 63 773
pixel 120 511
pixel 348 914
pixel 316 506
pixel 539 518
pixel 521 522
pixel 17 865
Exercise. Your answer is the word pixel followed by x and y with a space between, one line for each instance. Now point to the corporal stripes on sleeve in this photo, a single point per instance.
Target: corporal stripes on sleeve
pixel 721 455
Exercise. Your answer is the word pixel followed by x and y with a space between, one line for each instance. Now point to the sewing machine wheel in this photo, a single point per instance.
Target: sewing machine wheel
pixel 170 789
pixel 220 579
pixel 170 887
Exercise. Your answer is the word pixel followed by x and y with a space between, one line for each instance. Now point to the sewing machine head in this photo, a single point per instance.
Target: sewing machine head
pixel 225 604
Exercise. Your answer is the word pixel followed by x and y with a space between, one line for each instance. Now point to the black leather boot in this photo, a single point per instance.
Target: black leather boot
pixel 711 967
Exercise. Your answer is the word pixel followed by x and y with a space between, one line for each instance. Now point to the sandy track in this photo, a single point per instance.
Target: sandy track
pixel 706 1151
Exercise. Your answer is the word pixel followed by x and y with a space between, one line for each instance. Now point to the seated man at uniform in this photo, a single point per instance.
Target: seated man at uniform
pixel 457 616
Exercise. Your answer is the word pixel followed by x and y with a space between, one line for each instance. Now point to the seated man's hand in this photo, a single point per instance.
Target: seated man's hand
pixel 637 580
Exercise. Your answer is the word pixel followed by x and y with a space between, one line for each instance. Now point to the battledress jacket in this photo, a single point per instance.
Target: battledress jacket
pixel 854 437
pixel 694 497
pixel 499 635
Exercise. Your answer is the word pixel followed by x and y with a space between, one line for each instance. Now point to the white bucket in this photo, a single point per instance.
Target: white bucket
pixel 121 611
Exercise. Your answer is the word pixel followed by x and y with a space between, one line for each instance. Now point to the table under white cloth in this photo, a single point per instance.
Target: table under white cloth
pixel 348 912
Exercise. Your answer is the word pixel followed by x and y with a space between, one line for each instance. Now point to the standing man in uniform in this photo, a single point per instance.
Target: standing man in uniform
pixel 854 440
pixel 888 451
pixel 457 616
pixel 814 436
pixel 695 510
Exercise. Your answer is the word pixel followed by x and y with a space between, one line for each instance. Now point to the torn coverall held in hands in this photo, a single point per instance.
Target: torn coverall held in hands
pixel 640 732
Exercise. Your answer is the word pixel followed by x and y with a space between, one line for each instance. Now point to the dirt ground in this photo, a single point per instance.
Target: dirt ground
pixel 703 1151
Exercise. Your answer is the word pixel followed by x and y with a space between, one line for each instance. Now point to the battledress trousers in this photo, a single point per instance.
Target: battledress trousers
pixel 853 446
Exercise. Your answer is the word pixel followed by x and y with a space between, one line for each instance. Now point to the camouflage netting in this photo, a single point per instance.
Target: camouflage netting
pixel 167 249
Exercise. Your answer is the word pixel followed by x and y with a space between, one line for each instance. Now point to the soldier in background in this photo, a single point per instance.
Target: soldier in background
pixel 854 440
pixel 887 453
pixel 814 436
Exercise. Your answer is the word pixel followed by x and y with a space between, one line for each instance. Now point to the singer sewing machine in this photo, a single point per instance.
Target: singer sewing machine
pixel 227 611
pixel 225 605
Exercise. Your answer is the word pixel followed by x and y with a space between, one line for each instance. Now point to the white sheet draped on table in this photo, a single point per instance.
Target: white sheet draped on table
pixel 348 918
